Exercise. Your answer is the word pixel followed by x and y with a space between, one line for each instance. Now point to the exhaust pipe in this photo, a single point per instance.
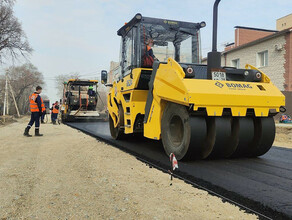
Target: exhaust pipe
pixel 214 57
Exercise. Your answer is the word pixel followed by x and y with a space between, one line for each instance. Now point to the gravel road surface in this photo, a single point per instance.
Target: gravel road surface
pixel 69 175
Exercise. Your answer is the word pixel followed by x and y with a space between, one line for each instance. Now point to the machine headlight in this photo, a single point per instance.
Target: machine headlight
pixel 258 75
pixel 138 16
pixel 203 24
pixel 246 73
pixel 190 70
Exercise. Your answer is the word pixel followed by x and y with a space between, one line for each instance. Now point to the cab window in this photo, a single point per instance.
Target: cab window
pixel 129 60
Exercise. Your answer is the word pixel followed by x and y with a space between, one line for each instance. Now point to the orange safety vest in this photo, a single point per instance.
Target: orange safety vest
pixel 43 106
pixel 284 117
pixel 33 105
pixel 55 111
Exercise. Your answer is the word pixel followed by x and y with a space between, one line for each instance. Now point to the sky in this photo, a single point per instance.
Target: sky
pixel 81 35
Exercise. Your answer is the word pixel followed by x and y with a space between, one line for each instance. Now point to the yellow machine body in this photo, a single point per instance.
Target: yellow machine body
pixel 170 85
pixel 197 111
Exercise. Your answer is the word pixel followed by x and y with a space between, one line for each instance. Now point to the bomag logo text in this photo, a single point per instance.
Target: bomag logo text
pixel 170 22
pixel 238 85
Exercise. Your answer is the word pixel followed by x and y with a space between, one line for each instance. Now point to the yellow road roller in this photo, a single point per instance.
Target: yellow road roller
pixel 197 111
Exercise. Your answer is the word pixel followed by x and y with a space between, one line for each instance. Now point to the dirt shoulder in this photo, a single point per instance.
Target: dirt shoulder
pixel 69 175
pixel 283 135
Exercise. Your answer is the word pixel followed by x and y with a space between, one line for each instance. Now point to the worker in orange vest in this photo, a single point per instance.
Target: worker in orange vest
pixel 149 45
pixel 43 116
pixel 37 108
pixel 55 111
pixel 148 57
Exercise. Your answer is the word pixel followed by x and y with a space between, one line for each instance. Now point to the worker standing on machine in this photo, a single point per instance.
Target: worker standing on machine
pixel 55 111
pixel 36 107
pixel 90 91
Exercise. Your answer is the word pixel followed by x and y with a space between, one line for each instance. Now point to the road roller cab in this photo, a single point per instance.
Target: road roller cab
pixel 197 110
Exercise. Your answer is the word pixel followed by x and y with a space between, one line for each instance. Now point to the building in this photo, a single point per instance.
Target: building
pixel 284 22
pixel 243 35
pixel 114 71
pixel 272 54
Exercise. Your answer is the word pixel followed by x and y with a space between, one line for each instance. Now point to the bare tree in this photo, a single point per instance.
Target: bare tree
pixel 60 79
pixel 7 2
pixel 13 41
pixel 45 97
pixel 23 80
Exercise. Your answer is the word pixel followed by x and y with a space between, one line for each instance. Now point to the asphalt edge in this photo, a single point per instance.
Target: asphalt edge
pixel 231 197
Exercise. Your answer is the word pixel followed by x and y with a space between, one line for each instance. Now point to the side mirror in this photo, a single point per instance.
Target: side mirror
pixel 104 77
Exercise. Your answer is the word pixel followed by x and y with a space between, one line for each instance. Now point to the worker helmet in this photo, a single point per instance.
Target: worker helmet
pixel 149 41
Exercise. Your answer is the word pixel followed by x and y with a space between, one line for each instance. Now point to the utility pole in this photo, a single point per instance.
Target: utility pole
pixel 12 94
pixel 5 99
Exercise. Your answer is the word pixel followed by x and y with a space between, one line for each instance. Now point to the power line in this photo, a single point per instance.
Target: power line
pixel 79 74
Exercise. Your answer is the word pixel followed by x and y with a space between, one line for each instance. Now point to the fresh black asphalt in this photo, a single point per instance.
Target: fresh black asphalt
pixel 263 183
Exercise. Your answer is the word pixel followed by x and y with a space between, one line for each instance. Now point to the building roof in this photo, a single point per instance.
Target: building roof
pixel 277 34
pixel 284 16
pixel 255 29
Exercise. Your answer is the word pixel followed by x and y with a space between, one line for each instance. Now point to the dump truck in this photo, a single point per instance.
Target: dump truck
pixel 197 111
pixel 79 100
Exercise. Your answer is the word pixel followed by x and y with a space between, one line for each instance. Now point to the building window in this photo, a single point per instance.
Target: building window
pixel 262 59
pixel 235 63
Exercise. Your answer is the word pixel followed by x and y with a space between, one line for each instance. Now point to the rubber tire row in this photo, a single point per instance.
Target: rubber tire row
pixel 216 137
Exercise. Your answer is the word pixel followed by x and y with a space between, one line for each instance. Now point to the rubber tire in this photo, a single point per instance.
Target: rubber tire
pixel 117 133
pixel 225 137
pixel 180 113
pixel 66 118
pixel 200 147
pixel 246 136
pixel 63 118
pixel 265 132
pixel 70 118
